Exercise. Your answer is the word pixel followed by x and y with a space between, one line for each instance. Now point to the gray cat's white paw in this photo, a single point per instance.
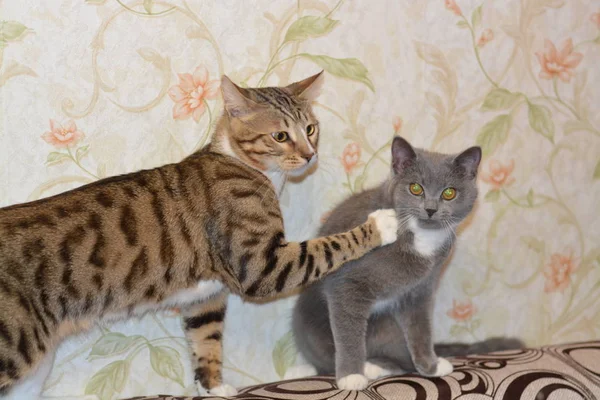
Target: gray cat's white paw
pixel 387 225
pixel 444 367
pixel 300 371
pixel 223 390
pixel 374 371
pixel 353 382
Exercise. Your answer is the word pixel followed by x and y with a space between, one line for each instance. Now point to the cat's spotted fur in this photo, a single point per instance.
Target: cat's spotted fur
pixel 184 234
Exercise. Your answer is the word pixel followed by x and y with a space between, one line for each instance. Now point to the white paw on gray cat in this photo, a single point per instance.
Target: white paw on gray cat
pixel 374 371
pixel 444 367
pixel 353 382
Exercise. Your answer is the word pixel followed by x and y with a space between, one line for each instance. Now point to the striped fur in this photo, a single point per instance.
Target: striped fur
pixel 183 234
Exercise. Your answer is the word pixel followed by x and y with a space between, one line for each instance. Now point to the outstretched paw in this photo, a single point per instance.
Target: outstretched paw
pixel 353 382
pixel 387 225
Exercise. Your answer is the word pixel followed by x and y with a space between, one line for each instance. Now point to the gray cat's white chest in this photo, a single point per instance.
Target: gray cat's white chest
pixel 427 242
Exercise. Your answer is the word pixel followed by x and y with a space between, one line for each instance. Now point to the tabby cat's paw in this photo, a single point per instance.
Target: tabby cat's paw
pixel 353 382
pixel 387 225
pixel 223 390
pixel 444 367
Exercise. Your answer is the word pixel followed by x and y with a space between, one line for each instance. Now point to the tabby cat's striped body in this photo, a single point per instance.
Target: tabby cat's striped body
pixel 182 235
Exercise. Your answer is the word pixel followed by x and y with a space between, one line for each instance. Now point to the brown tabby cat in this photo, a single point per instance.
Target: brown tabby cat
pixel 184 235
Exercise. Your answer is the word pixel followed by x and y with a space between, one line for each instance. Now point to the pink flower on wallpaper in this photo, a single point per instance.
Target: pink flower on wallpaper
pixel 462 311
pixel 595 18
pixel 558 63
pixel 558 272
pixel 397 124
pixel 191 93
pixel 499 174
pixel 452 6
pixel 63 136
pixel 486 37
pixel 350 156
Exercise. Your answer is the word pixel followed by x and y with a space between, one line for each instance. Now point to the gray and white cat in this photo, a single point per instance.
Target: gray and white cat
pixel 379 318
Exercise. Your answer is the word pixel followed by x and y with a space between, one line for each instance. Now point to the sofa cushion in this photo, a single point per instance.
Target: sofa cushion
pixel 562 372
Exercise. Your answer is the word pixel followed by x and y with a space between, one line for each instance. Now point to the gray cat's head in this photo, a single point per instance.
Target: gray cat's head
pixel 433 190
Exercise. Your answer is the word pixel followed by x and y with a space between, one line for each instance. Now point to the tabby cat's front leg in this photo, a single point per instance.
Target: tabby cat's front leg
pixel 203 326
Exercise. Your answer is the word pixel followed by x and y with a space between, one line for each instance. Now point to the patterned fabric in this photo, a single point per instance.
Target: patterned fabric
pixel 95 88
pixel 568 372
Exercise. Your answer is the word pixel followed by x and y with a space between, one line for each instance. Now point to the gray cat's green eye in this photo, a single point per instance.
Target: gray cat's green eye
pixel 449 193
pixel 416 189
pixel 280 136
pixel 310 130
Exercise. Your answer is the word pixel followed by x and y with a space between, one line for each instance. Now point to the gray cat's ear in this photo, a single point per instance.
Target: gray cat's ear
pixel 236 99
pixel 403 155
pixel 309 88
pixel 469 160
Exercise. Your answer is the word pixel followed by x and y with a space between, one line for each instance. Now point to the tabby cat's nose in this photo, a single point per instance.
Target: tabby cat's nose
pixel 308 157
pixel 430 211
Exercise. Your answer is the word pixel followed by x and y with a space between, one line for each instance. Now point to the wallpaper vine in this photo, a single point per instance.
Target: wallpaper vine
pixel 94 88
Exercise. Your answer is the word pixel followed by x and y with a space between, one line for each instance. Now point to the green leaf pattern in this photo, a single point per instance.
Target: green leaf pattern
pixel 309 27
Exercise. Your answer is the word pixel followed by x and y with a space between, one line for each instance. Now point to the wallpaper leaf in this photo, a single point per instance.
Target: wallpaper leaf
pixel 109 381
pixel 166 362
pixel 492 195
pixel 494 133
pixel 112 344
pixel 56 157
pixel 499 99
pixel 309 26
pixel 11 30
pixel 540 119
pixel 350 68
pixel 148 6
pixel 476 16
pixel 284 354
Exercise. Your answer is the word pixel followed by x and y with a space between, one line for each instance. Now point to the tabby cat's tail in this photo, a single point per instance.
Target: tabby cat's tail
pixel 483 347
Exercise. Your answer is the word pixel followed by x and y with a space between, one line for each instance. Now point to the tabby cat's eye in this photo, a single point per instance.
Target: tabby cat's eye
pixel 449 193
pixel 310 130
pixel 280 136
pixel 416 189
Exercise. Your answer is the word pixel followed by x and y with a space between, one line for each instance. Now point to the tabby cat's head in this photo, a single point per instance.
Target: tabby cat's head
pixel 273 128
pixel 433 190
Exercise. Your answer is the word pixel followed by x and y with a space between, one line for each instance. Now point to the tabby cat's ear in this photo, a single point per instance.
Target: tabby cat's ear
pixel 236 99
pixel 403 155
pixel 469 160
pixel 309 88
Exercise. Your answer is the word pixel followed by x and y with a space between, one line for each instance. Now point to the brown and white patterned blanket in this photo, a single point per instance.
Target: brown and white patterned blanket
pixel 562 372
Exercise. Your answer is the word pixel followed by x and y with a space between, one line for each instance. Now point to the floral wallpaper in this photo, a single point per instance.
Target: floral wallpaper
pixel 95 88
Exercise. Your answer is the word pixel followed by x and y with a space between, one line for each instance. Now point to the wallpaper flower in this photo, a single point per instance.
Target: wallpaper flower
pixel 131 84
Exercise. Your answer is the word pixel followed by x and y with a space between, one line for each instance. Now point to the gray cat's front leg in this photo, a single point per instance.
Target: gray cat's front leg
pixel 349 328
pixel 416 323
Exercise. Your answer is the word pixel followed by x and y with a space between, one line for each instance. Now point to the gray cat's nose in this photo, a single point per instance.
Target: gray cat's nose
pixel 308 157
pixel 430 211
